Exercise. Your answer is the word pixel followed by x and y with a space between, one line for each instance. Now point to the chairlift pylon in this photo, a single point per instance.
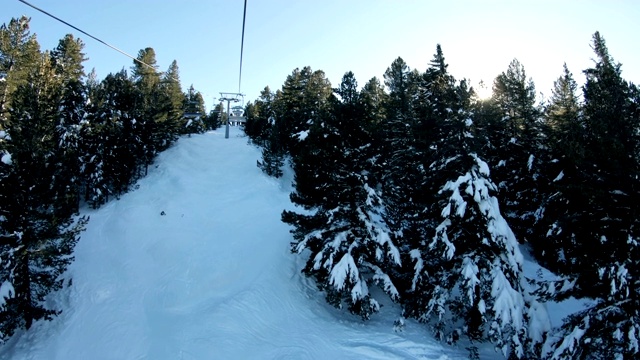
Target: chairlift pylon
pixel 232 119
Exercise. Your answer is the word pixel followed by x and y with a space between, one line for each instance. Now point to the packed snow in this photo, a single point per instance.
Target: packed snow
pixel 6 158
pixel 196 264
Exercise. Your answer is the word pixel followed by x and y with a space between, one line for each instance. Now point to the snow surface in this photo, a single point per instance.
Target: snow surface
pixel 212 278
pixel 6 290
pixel 6 158
pixel 302 135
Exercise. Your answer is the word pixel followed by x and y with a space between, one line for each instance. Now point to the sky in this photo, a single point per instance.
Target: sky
pixel 479 38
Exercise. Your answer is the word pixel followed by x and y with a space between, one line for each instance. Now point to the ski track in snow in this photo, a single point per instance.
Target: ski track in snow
pixel 213 278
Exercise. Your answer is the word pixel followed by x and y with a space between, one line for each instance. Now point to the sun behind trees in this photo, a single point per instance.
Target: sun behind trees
pixel 68 140
pixel 430 193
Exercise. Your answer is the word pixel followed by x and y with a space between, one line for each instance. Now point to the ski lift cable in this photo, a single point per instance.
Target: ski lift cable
pixel 244 17
pixel 89 35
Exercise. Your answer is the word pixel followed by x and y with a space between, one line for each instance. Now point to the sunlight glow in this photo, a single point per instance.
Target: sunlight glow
pixel 483 90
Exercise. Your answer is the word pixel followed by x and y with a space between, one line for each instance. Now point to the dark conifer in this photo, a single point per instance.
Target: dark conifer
pixel 37 233
pixel 171 103
pixel 466 261
pixel 261 118
pixel 19 54
pixel 402 174
pixel 597 222
pixel 374 101
pixel 563 171
pixel 304 95
pixel 516 145
pixel 147 80
pixel 349 242
pixel 67 60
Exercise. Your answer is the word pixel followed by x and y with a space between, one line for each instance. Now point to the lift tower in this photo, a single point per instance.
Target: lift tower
pixel 229 97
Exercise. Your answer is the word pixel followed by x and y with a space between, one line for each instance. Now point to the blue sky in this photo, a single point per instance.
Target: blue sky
pixel 479 38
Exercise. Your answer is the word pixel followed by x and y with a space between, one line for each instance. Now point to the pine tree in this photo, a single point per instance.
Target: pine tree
pixel 349 242
pixel 113 141
pixel 67 61
pixel 90 153
pixel 374 101
pixel 399 81
pixel 429 107
pixel 147 80
pixel 402 173
pixel 562 174
pixel 193 106
pixel 170 102
pixel 467 266
pixel 599 234
pixel 19 53
pixel 38 235
pixel 348 90
pixel 272 155
pixel 67 58
pixel 262 128
pixel 566 131
pixel 259 120
pixel 304 95
pixel 215 118
pixel 516 144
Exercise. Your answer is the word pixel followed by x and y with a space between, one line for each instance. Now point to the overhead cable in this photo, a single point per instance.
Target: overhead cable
pixel 91 36
pixel 244 17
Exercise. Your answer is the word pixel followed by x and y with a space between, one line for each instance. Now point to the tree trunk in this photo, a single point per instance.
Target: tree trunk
pixel 23 286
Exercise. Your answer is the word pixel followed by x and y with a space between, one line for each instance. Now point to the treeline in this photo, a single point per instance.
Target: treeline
pixel 429 193
pixel 67 139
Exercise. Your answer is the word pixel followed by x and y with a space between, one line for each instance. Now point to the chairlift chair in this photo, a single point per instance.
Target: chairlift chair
pixel 191 115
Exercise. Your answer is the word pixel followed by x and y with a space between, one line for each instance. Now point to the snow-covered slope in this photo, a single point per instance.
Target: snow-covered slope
pixel 195 264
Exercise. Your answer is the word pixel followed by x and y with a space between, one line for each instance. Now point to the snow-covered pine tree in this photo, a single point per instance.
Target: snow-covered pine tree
pixel 342 229
pixel 114 148
pixel 469 273
pixel 94 186
pixel 600 236
pixel 467 277
pixel 69 131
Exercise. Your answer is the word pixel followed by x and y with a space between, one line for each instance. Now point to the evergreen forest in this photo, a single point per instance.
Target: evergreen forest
pixel 414 189
pixel 410 188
